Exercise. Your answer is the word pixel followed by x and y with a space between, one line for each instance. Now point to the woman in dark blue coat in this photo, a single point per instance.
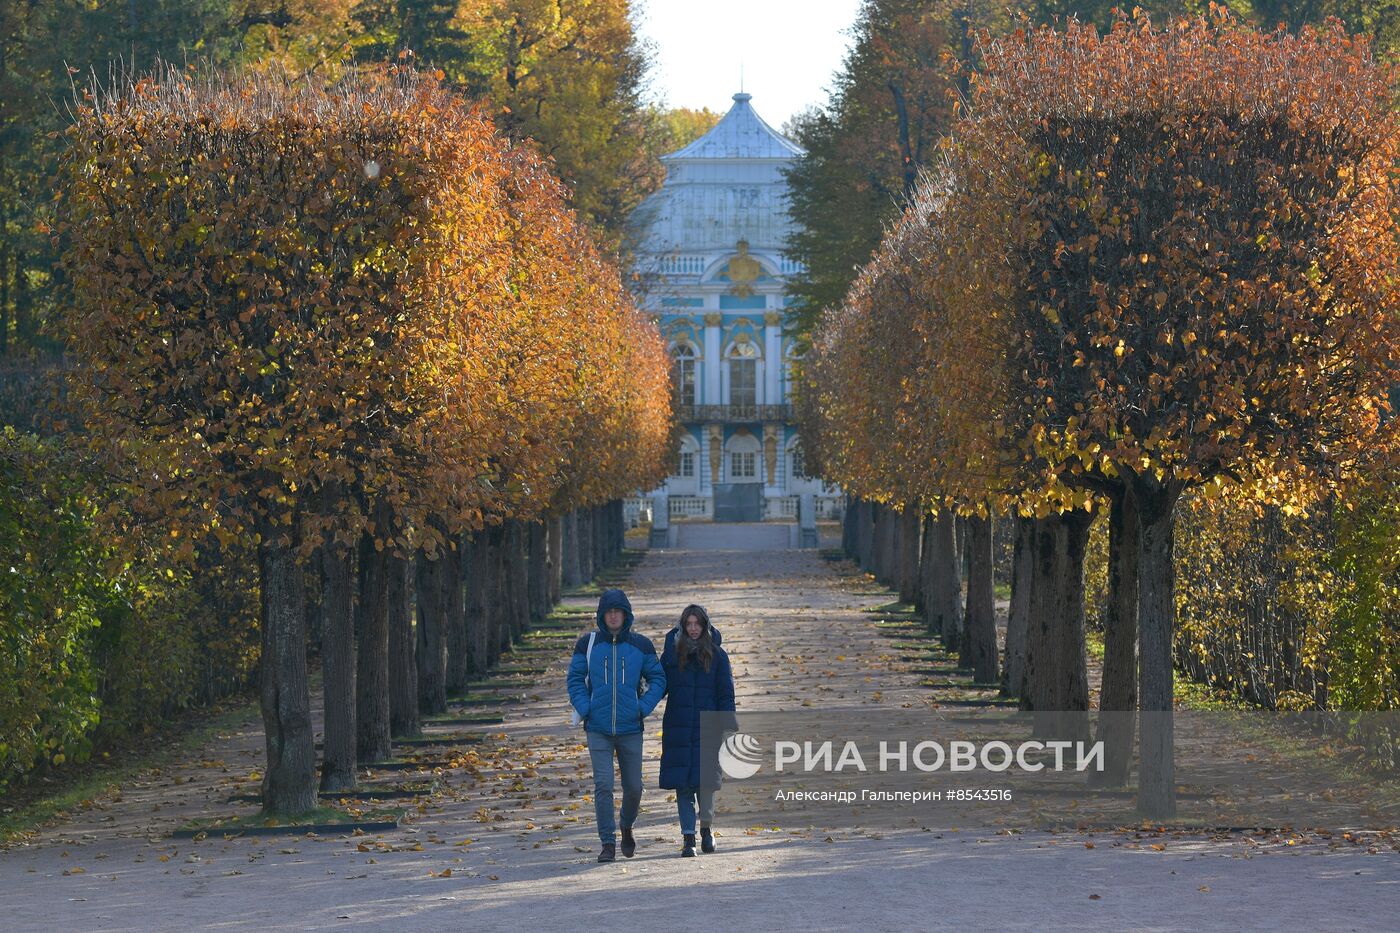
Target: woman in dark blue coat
pixel 698 680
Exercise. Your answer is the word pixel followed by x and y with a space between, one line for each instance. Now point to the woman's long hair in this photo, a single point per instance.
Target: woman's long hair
pixel 703 647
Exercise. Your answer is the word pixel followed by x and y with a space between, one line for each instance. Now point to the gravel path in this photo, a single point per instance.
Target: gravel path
pixel 509 842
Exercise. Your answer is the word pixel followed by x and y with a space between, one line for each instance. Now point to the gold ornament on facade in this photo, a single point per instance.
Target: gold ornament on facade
pixel 743 270
pixel 773 318
pixel 770 450
pixel 716 451
pixel 713 319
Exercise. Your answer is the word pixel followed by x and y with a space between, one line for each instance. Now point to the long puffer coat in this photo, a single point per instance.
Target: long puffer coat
pixel 689 693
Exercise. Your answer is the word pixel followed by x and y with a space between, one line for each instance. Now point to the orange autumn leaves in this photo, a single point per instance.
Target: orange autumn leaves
pixel 1161 255
pixel 282 290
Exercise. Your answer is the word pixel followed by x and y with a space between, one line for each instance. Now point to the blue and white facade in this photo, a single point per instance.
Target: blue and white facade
pixel 711 268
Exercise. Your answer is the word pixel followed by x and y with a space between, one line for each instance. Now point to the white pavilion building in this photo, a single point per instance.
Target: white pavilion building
pixel 711 268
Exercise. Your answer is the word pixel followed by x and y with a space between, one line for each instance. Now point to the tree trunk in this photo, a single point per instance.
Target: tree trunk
pixel 312 603
pixel 945 601
pixel 586 570
pixel 518 579
pixel 879 524
pixel 872 557
pixel 619 511
pixel 909 555
pixel 538 571
pixel 980 645
pixel 596 533
pixel 572 569
pixel 602 537
pixel 479 655
pixel 1156 621
pixel 857 512
pixel 430 658
pixel 556 560
pixel 372 657
pixel 338 669
pixel 927 587
pixel 866 541
pixel 889 547
pixel 1018 616
pixel 1118 697
pixel 848 528
pixel 1056 676
pixel 496 599
pixel 960 547
pixel 458 649
pixel 289 775
pixel 403 672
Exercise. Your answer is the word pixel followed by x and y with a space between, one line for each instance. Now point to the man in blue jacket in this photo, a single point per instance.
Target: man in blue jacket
pixel 605 688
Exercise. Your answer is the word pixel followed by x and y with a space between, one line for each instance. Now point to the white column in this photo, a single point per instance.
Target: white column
pixel 660 521
pixel 710 394
pixel 772 358
pixel 702 463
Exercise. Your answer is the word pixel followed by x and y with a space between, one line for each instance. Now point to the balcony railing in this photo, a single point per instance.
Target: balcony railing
pixel 732 414
pixel 684 507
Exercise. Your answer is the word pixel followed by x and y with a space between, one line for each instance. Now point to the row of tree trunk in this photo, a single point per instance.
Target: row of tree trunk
pixel 400 635
pixel 924 557
pixel 943 565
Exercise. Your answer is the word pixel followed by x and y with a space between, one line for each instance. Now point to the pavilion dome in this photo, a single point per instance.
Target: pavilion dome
pixel 726 186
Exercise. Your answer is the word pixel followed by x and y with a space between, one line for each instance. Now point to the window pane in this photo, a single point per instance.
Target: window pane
pixel 742 389
pixel 683 379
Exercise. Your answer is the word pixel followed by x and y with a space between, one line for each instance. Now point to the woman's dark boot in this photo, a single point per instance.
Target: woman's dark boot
pixel 707 840
pixel 689 850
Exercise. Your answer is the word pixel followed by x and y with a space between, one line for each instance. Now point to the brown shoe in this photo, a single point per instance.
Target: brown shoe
pixel 609 853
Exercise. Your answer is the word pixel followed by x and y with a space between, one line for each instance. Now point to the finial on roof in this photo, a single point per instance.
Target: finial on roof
pixel 741 97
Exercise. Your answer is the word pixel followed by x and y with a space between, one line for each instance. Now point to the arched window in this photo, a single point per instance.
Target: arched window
pixel 743 452
pixel 687 463
pixel 683 373
pixel 792 359
pixel 743 374
pixel 797 462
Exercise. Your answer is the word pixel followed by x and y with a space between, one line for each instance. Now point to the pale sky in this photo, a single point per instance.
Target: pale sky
pixel 789 50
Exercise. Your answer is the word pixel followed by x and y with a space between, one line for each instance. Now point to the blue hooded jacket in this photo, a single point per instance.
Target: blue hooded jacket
pixel 689 693
pixel 606 689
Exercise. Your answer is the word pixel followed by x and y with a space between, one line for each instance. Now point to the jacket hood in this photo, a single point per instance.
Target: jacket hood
pixel 614 599
pixel 675 632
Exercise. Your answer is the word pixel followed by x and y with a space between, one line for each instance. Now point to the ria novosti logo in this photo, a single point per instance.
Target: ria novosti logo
pixel 740 756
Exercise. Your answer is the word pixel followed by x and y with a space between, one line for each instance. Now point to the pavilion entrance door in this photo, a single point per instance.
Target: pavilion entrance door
pixel 738 502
